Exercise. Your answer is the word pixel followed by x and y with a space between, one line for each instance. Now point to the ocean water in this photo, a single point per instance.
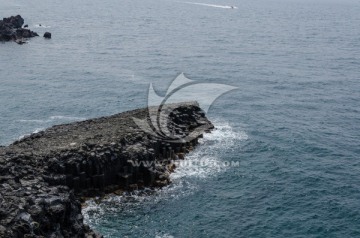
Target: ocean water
pixel 284 160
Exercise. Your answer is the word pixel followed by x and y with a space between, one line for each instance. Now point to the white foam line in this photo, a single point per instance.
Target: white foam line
pixel 35 121
pixel 164 236
pixel 211 5
pixel 53 118
pixel 37 130
pixel 93 211
pixel 41 26
pixel 206 161
pixel 66 118
pixel 224 137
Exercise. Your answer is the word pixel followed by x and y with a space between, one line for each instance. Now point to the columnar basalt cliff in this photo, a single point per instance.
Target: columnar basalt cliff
pixel 11 30
pixel 45 176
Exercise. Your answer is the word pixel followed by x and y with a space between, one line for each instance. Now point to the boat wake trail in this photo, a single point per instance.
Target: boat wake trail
pixel 211 5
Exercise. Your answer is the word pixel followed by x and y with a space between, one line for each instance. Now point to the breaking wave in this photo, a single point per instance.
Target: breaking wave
pixel 206 161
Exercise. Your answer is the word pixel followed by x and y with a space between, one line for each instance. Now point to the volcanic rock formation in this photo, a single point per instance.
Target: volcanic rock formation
pixel 45 176
pixel 10 30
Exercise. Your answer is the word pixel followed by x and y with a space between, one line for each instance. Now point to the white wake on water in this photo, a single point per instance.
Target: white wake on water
pixel 211 5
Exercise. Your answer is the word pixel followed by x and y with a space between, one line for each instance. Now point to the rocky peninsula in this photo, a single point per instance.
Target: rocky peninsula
pixel 11 30
pixel 45 176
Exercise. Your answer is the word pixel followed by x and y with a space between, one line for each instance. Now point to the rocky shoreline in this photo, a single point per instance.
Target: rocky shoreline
pixel 11 30
pixel 45 176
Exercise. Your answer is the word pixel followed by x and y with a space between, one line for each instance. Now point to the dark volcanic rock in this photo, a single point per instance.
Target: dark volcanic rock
pixel 14 21
pixel 10 29
pixel 44 176
pixel 47 35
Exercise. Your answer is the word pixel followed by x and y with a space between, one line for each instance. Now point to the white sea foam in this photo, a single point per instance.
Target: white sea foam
pixel 52 118
pixel 69 118
pixel 213 145
pixel 206 160
pixel 33 121
pixel 212 5
pixel 164 236
pixel 37 130
pixel 129 201
pixel 43 123
pixel 41 26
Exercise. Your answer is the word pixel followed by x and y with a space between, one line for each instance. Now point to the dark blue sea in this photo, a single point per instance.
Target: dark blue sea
pixel 285 158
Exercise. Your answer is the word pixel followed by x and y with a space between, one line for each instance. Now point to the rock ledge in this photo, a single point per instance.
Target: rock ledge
pixel 11 30
pixel 44 176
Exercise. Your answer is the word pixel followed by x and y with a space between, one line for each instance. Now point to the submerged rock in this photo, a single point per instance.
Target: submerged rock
pixel 44 176
pixel 20 42
pixel 47 35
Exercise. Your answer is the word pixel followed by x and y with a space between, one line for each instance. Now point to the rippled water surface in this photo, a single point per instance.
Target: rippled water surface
pixel 291 129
